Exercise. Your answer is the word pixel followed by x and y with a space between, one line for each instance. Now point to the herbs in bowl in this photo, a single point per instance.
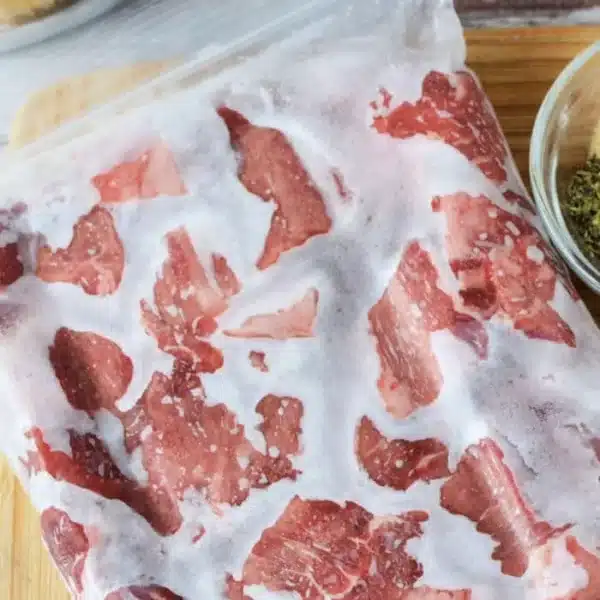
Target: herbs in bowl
pixel 581 208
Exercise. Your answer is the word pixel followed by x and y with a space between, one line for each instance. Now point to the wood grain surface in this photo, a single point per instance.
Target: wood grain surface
pixel 516 67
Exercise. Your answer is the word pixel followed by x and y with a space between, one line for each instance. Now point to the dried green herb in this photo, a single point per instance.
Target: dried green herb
pixel 581 208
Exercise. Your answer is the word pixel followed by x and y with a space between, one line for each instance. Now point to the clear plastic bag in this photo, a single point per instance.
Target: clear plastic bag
pixel 281 324
pixel 134 31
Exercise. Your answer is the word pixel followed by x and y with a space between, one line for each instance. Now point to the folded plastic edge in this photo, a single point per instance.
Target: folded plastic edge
pixel 265 23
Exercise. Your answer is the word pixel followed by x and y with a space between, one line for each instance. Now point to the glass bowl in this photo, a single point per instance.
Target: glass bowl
pixel 16 37
pixel 560 143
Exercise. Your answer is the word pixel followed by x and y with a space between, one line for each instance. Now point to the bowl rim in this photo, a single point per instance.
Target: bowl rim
pixel 557 231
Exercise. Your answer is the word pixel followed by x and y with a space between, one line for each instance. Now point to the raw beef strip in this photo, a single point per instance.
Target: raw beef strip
pixel 91 467
pixel 188 303
pixel 187 443
pixel 297 321
pixel 412 307
pixel 399 463
pixel 200 533
pixel 92 370
pixel 259 361
pixel 11 267
pixel 152 592
pixel 234 590
pixel 11 264
pixel 503 266
pixel 153 174
pixel 343 191
pixel 271 169
pixel 484 490
pixel 224 276
pixel 94 259
pixel 319 550
pixel 281 424
pixel 68 545
pixel 454 109
pixel 517 199
pixel 591 564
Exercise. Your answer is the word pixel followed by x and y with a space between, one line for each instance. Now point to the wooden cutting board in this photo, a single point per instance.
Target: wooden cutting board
pixel 516 67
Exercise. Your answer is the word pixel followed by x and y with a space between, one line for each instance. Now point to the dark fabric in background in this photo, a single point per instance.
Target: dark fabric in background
pixel 526 5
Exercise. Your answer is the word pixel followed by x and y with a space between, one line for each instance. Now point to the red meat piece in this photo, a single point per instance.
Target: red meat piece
pixel 514 198
pixel 399 463
pixel 153 174
pixel 94 260
pixel 258 361
pixel 591 564
pixel 68 545
pixel 234 590
pixel 503 266
pixel 581 557
pixel 412 307
pixel 271 170
pixel 343 191
pixel 281 424
pixel 224 276
pixel 93 371
pixel 188 303
pixel 453 109
pixel 318 549
pixel 484 490
pixel 470 330
pixel 297 321
pixel 91 467
pixel 200 533
pixel 11 267
pixel 151 592
pixel 187 443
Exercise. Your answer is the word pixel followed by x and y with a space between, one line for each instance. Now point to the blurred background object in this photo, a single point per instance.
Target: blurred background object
pixel 491 13
pixel 512 5
pixel 27 22
pixel 33 56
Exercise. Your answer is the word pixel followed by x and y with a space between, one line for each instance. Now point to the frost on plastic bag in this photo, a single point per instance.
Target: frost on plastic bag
pixel 294 333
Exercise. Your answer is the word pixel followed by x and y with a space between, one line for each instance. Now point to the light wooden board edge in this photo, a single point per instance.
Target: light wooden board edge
pixel 47 109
